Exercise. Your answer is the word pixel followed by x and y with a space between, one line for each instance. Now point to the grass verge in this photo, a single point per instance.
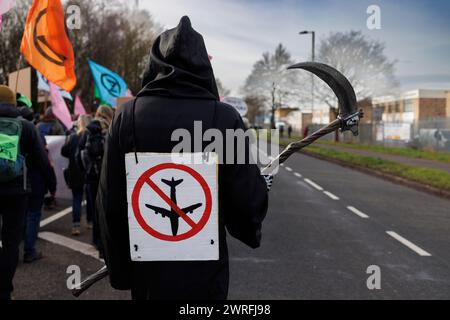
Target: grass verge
pixel 405 152
pixel 431 177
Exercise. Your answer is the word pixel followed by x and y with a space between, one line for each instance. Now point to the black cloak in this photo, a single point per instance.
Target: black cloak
pixel 178 88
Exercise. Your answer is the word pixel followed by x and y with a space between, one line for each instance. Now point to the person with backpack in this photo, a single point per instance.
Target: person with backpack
pixel 41 183
pixel 73 175
pixel 49 125
pixel 20 150
pixel 89 157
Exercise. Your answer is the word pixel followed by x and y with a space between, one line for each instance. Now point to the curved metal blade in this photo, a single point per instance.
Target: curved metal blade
pixel 337 82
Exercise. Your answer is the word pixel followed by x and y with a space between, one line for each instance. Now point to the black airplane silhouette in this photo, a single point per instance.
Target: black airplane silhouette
pixel 173 216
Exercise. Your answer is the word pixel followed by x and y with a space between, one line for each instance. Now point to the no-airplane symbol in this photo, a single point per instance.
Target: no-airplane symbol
pixel 172 210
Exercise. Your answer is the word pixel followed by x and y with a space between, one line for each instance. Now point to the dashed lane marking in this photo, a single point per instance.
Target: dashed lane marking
pixel 332 196
pixel 357 212
pixel 298 175
pixel 409 244
pixel 313 184
pixel 288 169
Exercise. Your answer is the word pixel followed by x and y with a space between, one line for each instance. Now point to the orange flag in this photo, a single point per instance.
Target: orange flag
pixel 46 45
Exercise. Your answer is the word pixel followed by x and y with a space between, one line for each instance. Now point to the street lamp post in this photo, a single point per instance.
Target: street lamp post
pixel 313 57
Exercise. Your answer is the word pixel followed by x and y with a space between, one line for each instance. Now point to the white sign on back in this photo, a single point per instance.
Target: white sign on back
pixel 172 206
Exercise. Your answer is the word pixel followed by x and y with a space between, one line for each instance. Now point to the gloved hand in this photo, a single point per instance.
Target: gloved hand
pixel 269 180
pixel 50 202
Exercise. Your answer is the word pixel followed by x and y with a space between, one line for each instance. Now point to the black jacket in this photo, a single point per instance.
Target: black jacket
pixel 91 174
pixel 32 148
pixel 75 174
pixel 179 89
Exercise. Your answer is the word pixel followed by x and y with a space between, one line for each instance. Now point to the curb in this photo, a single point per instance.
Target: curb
pixel 392 178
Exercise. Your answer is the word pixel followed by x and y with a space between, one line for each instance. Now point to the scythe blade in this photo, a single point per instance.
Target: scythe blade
pixel 336 81
pixel 348 118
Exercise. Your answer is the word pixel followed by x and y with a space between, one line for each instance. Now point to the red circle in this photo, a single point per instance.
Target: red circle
pixel 137 212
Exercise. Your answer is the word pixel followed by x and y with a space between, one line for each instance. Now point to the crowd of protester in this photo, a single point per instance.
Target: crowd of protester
pixel 24 194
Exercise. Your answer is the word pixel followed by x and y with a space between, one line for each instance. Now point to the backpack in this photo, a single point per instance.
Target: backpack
pixel 12 162
pixel 92 154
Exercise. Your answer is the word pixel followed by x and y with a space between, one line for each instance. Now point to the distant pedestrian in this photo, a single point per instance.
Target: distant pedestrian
pixel 49 125
pixel 290 131
pixel 89 157
pixel 281 131
pixel 74 176
pixel 20 148
pixel 306 132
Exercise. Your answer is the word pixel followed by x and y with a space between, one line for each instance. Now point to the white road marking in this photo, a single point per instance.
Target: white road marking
pixel 298 175
pixel 55 217
pixel 288 169
pixel 409 244
pixel 357 212
pixel 332 196
pixel 58 216
pixel 69 243
pixel 313 184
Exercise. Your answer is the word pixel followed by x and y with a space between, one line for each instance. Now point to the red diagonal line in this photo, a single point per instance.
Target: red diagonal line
pixel 169 201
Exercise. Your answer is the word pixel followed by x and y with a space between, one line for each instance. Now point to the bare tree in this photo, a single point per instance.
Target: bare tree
pixel 112 33
pixel 271 81
pixel 255 107
pixel 223 91
pixel 115 35
pixel 362 60
pixel 11 36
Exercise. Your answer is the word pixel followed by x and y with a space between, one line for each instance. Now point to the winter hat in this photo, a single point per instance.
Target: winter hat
pixel 7 96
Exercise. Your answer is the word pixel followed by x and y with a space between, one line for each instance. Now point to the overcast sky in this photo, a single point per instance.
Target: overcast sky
pixel 237 32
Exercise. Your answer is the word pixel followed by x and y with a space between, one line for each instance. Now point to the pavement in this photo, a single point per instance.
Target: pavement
pixel 326 226
pixel 415 162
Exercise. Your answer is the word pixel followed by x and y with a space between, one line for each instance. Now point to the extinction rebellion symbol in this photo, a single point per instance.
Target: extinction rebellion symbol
pixel 40 43
pixel 111 85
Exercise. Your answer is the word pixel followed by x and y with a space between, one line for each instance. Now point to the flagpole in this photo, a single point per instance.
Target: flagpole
pixel 18 73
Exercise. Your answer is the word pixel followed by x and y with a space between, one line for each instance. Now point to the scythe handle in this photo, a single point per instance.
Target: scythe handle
pixel 298 145
pixel 89 281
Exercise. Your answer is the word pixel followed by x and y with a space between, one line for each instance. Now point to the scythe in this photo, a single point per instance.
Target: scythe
pixel 347 120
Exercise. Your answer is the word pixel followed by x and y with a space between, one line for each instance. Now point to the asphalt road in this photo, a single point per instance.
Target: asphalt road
pixel 326 225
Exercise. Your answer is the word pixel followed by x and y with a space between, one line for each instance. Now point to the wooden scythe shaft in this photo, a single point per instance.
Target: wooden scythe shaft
pixel 297 146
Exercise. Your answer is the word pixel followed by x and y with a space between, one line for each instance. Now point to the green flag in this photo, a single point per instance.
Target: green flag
pixel 97 95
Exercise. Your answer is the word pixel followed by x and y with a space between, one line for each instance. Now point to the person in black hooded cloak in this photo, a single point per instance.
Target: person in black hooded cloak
pixel 178 88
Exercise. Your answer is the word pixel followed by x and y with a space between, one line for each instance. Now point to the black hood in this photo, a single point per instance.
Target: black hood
pixel 94 126
pixel 179 66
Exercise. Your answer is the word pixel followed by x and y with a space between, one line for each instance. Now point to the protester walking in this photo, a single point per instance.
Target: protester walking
pixel 41 183
pixel 74 176
pixel 49 125
pixel 21 149
pixel 89 156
